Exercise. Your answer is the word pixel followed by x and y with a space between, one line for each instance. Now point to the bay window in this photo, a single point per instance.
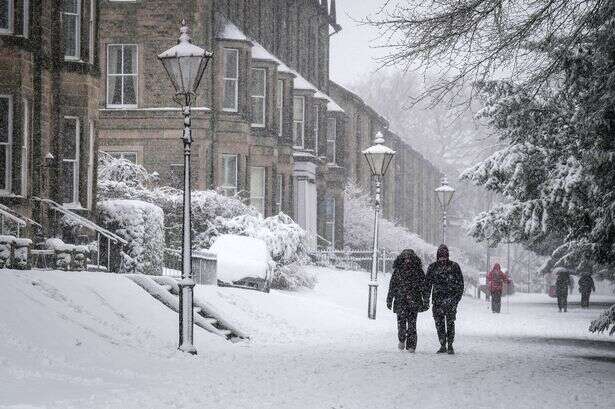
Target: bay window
pixel 122 75
pixel 298 121
pixel 231 80
pixel 280 106
pixel 257 188
pixel 259 97
pixel 316 128
pixel 6 142
pixel 331 139
pixel 25 147
pixel 229 175
pixel 71 20
pixel 70 160
pixel 6 16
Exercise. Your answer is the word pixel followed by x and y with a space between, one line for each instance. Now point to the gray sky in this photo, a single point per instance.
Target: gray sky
pixel 352 52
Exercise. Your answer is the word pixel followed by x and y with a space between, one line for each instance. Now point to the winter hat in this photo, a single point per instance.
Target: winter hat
pixel 442 253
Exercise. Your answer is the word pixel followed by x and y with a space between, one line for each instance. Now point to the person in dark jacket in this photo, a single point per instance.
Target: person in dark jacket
pixel 496 279
pixel 444 281
pixel 586 286
pixel 562 283
pixel 405 296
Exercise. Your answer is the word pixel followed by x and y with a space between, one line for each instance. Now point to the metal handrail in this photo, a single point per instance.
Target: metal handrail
pixel 5 210
pixel 85 222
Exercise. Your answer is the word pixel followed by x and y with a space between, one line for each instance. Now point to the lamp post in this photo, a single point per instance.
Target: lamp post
pixel 378 158
pixel 185 64
pixel 444 193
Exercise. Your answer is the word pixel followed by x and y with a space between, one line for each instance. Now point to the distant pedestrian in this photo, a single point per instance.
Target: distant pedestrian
pixel 495 280
pixel 406 297
pixel 562 284
pixel 445 278
pixel 586 286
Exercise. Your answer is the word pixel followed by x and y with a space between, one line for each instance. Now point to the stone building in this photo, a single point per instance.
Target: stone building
pixel 264 126
pixel 49 81
pixel 408 189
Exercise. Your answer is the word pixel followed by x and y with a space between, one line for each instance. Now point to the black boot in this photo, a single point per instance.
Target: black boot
pixel 450 349
pixel 442 349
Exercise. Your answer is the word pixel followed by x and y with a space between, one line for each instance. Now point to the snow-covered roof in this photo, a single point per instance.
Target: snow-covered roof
pixel 231 32
pixel 260 53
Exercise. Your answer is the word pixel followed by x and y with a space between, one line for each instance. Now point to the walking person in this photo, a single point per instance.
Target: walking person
pixel 586 286
pixel 495 280
pixel 444 281
pixel 405 297
pixel 562 284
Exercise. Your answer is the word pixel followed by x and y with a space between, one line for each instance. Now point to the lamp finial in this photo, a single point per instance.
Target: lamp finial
pixel 379 140
pixel 184 33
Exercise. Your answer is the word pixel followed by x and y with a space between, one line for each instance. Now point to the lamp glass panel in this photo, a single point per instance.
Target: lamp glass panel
pixel 171 65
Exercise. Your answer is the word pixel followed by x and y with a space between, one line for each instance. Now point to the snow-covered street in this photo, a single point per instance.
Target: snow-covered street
pixel 72 340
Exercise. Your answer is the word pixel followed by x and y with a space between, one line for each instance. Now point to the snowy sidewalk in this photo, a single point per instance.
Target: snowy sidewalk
pixel 101 342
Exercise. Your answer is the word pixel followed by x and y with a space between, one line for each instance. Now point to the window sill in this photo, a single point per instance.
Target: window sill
pixel 74 60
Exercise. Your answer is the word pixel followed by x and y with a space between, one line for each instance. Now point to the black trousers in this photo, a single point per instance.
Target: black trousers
pixel 585 299
pixel 444 318
pixel 496 301
pixel 406 327
pixel 562 300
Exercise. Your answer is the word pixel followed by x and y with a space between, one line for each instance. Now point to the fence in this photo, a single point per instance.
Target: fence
pixel 354 259
pixel 204 265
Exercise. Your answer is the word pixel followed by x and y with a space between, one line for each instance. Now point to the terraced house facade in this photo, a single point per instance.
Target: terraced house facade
pixel 269 126
pixel 48 113
pixel 264 126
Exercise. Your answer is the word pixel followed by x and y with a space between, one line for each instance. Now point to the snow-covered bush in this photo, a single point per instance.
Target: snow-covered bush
pixel 142 225
pixel 213 214
pixel 358 227
pixel 21 254
pixel 6 244
pixel 604 321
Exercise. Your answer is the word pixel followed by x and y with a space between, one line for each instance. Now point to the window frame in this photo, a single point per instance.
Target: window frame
pixel 25 29
pixel 227 187
pixel 8 171
pixel 92 33
pixel 332 141
pixel 122 75
pixel 316 127
pixel 302 122
pixel 91 154
pixel 11 14
pixel 279 185
pixel 235 80
pixel 261 199
pixel 123 154
pixel 280 107
pixel 330 220
pixel 76 162
pixel 77 15
pixel 25 147
pixel 262 98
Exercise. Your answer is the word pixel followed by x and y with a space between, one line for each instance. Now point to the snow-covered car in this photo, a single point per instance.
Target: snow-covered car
pixel 242 262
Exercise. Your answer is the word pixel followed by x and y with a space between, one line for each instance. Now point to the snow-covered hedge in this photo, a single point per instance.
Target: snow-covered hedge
pixel 142 225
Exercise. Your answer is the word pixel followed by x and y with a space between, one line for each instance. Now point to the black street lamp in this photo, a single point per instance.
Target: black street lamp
pixel 185 64
pixel 378 158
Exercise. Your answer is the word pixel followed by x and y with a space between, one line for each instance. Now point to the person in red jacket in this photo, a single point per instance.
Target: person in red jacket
pixel 496 279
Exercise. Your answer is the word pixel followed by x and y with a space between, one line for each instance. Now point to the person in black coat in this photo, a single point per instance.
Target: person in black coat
pixel 405 296
pixel 562 283
pixel 586 286
pixel 444 281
